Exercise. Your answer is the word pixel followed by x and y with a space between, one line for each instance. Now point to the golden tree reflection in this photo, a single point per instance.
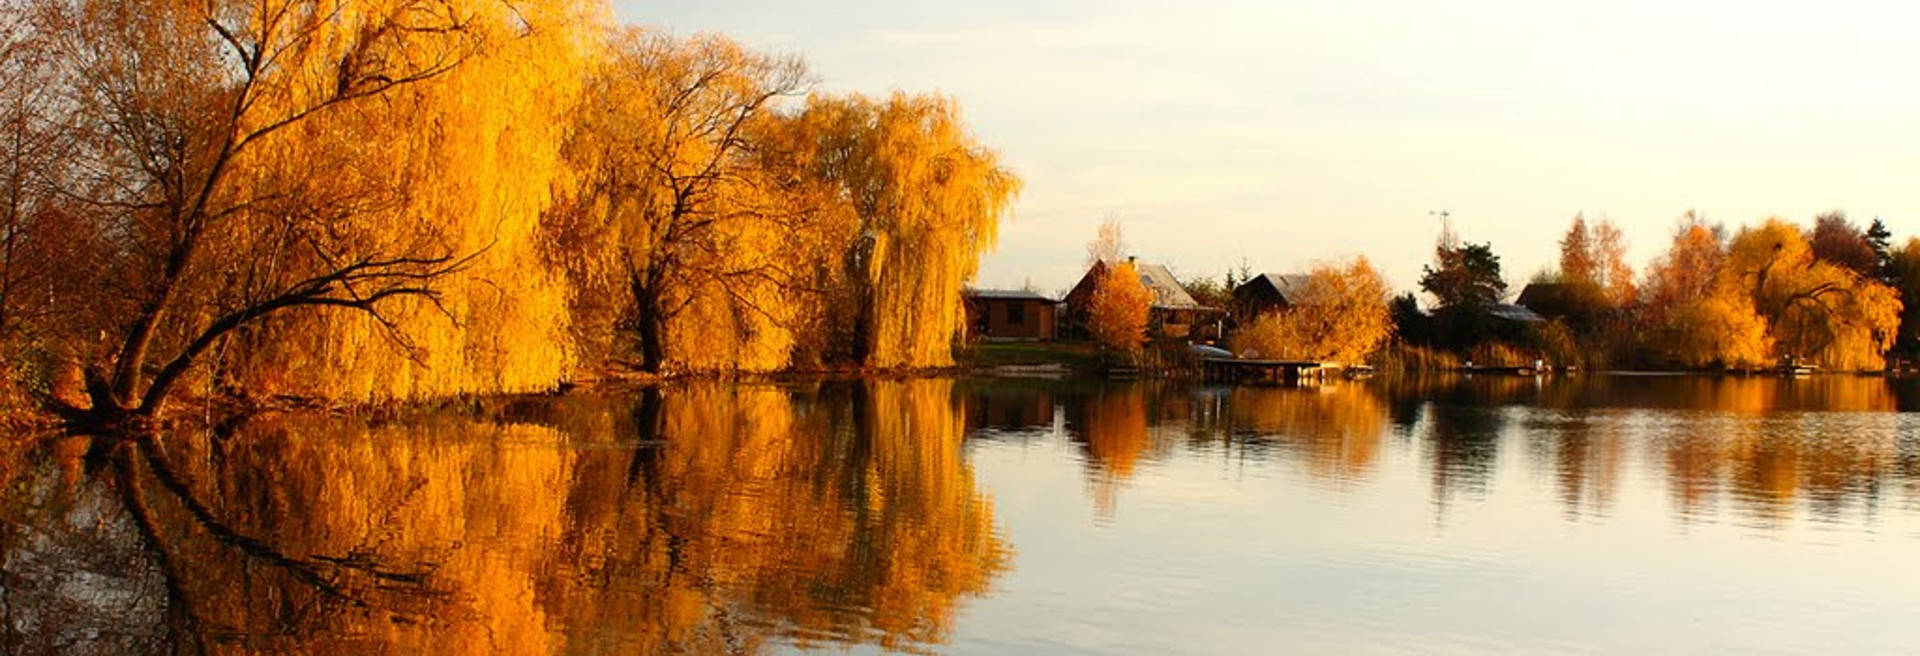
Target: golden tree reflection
pixel 700 518
pixel 1336 429
pixel 1111 426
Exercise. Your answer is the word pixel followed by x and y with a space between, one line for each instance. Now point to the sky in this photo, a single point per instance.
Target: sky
pixel 1285 133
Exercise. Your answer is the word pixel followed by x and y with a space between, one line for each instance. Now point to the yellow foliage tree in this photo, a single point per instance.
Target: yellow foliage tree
pixel 1764 298
pixel 1815 310
pixel 1117 312
pixel 674 228
pixel 335 198
pixel 930 200
pixel 1341 316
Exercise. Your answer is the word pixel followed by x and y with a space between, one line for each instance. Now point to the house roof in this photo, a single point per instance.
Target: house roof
pixel 1006 295
pixel 1511 312
pixel 1167 290
pixel 1542 292
pixel 1288 285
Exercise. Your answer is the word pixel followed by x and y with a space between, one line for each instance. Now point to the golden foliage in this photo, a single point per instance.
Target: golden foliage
pixel 1686 273
pixel 473 155
pixel 930 200
pixel 368 200
pixel 1765 297
pixel 1113 430
pixel 1816 310
pixel 1341 316
pixel 1721 329
pixel 761 519
pixel 1117 313
pixel 1594 257
pixel 674 226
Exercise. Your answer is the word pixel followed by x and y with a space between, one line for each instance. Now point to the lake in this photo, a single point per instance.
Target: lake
pixel 1591 514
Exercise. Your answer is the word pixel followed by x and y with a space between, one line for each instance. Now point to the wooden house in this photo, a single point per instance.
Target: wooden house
pixel 1010 315
pixel 1173 314
pixel 1268 292
pixel 1549 299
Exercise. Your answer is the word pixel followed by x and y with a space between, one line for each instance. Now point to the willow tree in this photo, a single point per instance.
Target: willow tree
pixel 474 155
pixel 672 205
pixel 1815 309
pixel 249 159
pixel 929 200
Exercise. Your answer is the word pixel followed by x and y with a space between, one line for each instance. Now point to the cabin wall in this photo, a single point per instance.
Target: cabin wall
pixel 1015 319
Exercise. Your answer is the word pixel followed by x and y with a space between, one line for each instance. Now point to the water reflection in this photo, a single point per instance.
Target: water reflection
pixel 1760 445
pixel 723 518
pixel 705 518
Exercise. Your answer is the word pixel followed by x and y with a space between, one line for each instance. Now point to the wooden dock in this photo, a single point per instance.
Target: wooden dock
pixel 1499 371
pixel 1261 371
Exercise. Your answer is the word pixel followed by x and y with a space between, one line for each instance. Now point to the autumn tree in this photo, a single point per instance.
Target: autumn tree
pixel 1815 309
pixel 1837 241
pixel 39 240
pixel 1117 312
pixel 1766 296
pixel 1580 294
pixel 1610 257
pixel 1686 272
pixel 1341 316
pixel 673 206
pixel 192 117
pixel 1578 265
pixel 928 200
pixel 1695 318
pixel 1593 264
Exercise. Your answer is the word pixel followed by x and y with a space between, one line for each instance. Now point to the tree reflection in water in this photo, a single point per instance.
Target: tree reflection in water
pixel 697 518
pixel 716 517
pixel 1760 444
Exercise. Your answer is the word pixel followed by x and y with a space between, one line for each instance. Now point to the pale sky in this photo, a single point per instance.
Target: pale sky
pixel 1287 132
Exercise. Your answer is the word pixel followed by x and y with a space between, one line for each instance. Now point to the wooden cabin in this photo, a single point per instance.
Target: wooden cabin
pixel 1011 315
pixel 1268 292
pixel 1174 313
pixel 1551 300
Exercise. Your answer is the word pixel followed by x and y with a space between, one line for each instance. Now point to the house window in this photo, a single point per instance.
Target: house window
pixel 1016 314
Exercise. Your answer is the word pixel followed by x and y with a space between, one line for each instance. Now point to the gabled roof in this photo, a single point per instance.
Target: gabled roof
pixel 1517 313
pixel 1288 285
pixel 1006 295
pixel 1537 293
pixel 1167 290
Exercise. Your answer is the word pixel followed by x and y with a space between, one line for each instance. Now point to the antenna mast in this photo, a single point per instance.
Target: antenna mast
pixel 1447 238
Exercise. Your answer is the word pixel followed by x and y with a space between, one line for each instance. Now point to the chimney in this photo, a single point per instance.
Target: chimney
pixel 1132 259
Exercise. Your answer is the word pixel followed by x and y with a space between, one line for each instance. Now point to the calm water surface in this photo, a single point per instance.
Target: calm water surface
pixel 1602 514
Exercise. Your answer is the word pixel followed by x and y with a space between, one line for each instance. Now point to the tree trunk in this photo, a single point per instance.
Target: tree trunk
pixel 652 326
pixel 133 352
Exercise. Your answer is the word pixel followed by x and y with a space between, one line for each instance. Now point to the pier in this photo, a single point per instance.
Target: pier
pixel 1262 371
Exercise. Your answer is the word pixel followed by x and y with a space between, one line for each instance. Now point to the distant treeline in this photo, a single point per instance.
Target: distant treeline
pixel 1834 296
pixel 367 200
